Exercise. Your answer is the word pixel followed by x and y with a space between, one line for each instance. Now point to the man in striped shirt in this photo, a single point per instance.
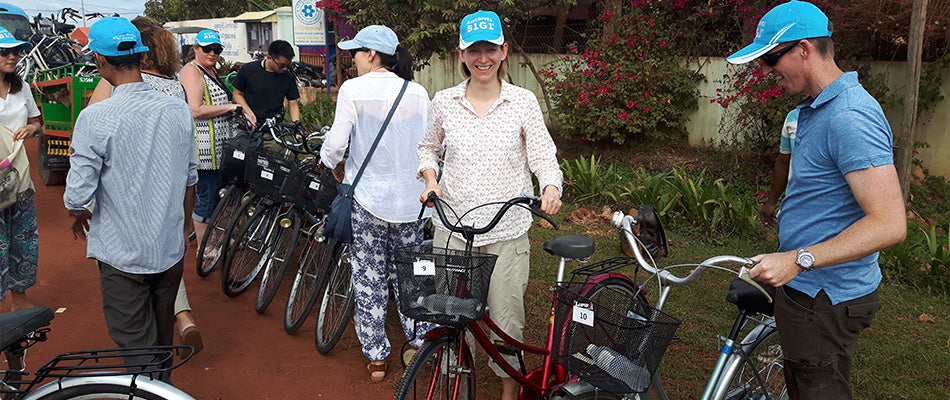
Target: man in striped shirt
pixel 133 156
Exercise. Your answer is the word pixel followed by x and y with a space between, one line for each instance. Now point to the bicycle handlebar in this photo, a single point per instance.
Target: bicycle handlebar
pixel 533 202
pixel 625 223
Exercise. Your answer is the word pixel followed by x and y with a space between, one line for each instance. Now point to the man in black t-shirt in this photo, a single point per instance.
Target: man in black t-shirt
pixel 262 86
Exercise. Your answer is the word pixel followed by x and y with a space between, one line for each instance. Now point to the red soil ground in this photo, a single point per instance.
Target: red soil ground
pixel 246 355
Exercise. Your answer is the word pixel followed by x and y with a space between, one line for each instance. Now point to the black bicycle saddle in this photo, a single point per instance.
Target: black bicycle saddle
pixel 570 246
pixel 16 324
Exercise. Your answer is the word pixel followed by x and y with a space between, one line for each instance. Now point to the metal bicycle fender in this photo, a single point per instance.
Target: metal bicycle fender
pixel 144 383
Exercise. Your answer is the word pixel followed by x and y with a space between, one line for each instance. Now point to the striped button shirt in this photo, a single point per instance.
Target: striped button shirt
pixel 133 156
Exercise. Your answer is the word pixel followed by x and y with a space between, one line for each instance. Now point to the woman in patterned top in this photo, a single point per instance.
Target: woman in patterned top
pixel 493 137
pixel 159 67
pixel 210 101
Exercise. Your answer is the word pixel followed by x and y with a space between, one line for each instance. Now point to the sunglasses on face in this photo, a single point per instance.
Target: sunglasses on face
pixel 15 51
pixel 281 66
pixel 212 49
pixel 354 51
pixel 771 59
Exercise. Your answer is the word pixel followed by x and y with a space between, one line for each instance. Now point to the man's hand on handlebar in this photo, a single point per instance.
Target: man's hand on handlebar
pixel 550 200
pixel 775 269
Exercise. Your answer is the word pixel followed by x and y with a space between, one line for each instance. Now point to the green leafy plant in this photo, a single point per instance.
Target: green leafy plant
pixel 628 84
pixel 317 114
pixel 586 179
pixel 647 188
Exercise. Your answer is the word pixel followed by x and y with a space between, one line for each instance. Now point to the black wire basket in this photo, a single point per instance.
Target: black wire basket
pixel 609 338
pixel 266 172
pixel 311 187
pixel 444 286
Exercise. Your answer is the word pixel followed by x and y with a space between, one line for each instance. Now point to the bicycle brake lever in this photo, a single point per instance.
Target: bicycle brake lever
pixel 744 276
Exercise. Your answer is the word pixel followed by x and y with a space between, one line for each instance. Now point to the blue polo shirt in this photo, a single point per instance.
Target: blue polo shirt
pixel 841 130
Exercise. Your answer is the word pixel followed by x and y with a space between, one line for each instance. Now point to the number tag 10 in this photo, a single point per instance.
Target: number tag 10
pixel 423 267
pixel 583 314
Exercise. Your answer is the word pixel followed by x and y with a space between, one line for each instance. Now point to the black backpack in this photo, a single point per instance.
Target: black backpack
pixel 649 230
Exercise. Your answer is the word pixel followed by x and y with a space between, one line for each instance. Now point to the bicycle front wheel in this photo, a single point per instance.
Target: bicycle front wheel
pixel 336 308
pixel 282 248
pixel 212 248
pixel 761 374
pixel 249 252
pixel 435 372
pixel 310 276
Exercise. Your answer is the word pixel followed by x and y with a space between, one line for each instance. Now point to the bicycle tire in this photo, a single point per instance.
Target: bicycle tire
pixel 224 213
pixel 282 250
pixel 102 391
pixel 425 373
pixel 311 273
pixel 248 252
pixel 336 306
pixel 592 395
pixel 764 359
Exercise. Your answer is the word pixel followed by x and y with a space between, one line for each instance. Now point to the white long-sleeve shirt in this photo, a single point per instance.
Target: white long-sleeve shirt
pixel 389 188
pixel 489 158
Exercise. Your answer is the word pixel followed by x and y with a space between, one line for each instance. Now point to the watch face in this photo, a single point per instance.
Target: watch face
pixel 805 260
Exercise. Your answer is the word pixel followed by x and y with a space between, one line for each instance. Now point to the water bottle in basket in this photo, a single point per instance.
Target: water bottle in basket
pixel 451 305
pixel 619 367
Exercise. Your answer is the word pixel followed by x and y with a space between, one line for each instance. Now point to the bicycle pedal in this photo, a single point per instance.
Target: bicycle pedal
pixel 505 348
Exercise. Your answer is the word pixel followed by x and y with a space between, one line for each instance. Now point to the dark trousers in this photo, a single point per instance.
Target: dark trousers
pixel 140 308
pixel 818 341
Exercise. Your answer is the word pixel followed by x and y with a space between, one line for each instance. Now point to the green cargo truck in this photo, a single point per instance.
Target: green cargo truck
pixel 61 93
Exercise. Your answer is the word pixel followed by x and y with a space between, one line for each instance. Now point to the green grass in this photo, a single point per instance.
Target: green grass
pixel 899 357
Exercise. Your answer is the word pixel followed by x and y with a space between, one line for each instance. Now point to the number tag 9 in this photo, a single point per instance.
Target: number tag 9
pixel 583 314
pixel 423 267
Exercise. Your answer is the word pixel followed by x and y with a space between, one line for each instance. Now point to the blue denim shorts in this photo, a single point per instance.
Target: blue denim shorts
pixel 210 183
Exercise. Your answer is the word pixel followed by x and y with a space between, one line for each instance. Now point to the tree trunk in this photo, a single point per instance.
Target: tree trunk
pixel 905 142
pixel 559 29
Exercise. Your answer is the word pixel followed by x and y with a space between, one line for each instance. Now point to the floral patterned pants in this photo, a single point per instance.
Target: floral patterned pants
pixel 373 268
pixel 19 247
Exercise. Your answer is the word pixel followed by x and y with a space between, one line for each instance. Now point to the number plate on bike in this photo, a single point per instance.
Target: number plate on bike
pixel 238 155
pixel 267 175
pixel 424 267
pixel 583 314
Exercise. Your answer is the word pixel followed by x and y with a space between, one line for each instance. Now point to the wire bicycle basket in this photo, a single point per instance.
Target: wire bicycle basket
pixel 609 338
pixel 443 286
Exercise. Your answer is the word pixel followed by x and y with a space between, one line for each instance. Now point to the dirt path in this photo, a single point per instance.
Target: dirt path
pixel 246 356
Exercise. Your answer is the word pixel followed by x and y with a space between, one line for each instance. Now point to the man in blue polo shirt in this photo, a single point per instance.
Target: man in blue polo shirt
pixel 843 203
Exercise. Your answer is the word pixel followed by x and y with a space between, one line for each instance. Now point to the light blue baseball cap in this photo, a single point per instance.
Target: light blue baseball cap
pixel 7 41
pixel 115 36
pixel 376 37
pixel 482 26
pixel 207 37
pixel 787 22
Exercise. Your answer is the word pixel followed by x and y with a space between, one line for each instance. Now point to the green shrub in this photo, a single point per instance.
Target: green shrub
pixel 922 259
pixel 317 114
pixel 647 188
pixel 586 179
pixel 626 85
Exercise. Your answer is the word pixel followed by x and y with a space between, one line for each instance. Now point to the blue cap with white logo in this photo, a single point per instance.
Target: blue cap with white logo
pixel 207 37
pixel 787 22
pixel 7 41
pixel 376 37
pixel 482 26
pixel 115 36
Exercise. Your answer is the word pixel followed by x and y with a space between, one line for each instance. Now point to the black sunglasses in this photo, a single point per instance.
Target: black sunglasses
pixel 771 59
pixel 14 50
pixel 212 49
pixel 354 51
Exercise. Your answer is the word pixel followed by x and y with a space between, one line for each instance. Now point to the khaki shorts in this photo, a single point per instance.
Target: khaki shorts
pixel 508 283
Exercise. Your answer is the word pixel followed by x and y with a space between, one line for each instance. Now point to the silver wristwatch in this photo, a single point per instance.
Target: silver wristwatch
pixel 805 260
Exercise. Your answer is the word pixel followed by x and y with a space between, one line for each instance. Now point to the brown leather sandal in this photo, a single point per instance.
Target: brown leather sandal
pixel 377 372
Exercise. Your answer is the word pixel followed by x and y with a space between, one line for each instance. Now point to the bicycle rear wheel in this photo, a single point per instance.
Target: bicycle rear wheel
pixel 336 308
pixel 310 276
pixel 249 251
pixel 435 370
pixel 282 249
pixel 101 391
pixel 212 249
pixel 761 372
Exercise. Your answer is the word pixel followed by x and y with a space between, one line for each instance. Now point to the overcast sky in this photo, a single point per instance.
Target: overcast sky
pixel 126 8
